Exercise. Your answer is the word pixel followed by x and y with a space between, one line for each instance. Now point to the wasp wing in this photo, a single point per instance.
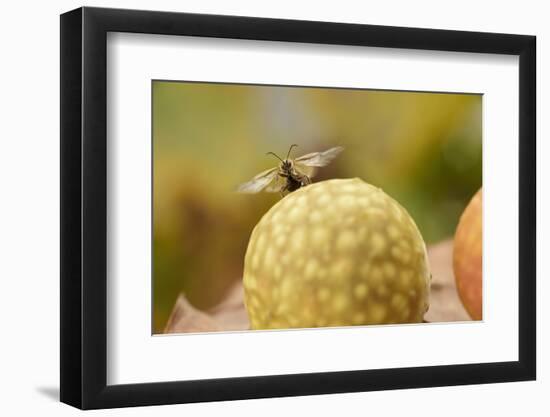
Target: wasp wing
pixel 259 182
pixel 319 159
pixel 275 186
pixel 301 168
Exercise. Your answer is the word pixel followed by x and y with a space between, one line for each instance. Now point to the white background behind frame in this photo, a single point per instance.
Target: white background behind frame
pixel 135 356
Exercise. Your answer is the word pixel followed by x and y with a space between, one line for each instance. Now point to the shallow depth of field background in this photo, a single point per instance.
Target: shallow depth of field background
pixel 423 149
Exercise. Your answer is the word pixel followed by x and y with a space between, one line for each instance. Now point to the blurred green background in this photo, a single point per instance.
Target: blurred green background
pixel 423 149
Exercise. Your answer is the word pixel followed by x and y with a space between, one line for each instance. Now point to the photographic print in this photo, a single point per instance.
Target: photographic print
pixel 297 207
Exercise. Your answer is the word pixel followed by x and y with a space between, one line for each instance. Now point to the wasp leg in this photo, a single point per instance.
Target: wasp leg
pixel 306 180
pixel 284 188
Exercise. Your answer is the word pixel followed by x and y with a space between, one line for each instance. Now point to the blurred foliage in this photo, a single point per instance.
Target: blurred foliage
pixel 424 149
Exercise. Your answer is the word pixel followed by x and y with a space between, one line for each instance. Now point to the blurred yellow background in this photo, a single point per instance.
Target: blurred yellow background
pixel 423 149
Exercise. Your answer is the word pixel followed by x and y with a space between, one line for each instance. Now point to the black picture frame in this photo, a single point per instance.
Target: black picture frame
pixel 84 207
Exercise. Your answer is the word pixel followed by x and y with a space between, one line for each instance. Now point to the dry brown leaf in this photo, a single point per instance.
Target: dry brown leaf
pixel 228 315
pixel 444 302
pixel 185 319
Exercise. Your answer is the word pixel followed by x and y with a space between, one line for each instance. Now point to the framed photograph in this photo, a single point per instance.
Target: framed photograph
pixel 258 208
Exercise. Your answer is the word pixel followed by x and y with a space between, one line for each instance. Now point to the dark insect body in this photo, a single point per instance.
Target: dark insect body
pixel 291 174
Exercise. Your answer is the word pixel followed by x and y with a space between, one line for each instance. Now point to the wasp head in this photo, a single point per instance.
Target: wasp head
pixel 286 164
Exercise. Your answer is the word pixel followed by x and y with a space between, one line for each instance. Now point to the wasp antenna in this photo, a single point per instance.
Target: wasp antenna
pixel 291 146
pixel 275 155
